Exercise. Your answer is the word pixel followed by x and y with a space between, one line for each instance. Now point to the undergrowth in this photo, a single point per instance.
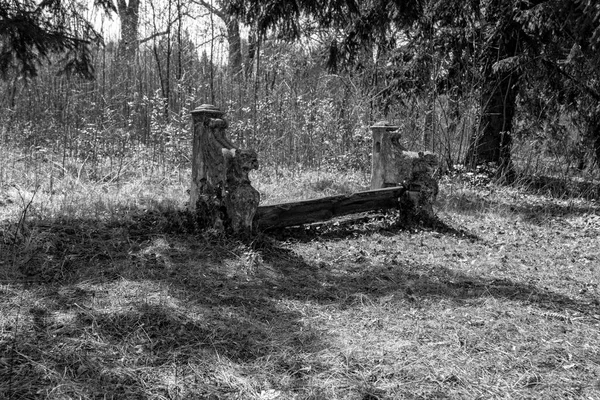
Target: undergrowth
pixel 107 291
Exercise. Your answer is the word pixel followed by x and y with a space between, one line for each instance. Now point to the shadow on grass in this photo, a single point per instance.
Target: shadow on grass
pixel 560 188
pixel 111 355
pixel 536 209
pixel 102 305
pixel 207 315
pixel 412 281
pixel 389 222
pixel 534 212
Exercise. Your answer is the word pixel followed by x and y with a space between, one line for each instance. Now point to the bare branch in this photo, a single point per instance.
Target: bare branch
pixel 166 31
pixel 219 13
pixel 153 36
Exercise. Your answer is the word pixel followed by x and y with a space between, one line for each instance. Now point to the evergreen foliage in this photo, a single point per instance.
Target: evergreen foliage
pixel 31 32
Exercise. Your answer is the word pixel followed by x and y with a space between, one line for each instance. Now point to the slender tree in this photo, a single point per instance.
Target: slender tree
pixel 129 15
pixel 232 25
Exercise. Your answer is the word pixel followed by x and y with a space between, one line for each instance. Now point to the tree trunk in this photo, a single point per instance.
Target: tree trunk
pixel 252 49
pixel 593 133
pixel 129 16
pixel 235 47
pixel 167 93
pixel 233 35
pixel 492 142
pixel 429 124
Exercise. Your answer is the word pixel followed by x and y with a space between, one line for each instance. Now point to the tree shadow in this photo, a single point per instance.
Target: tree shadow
pixel 565 187
pixel 107 352
pixel 137 339
pixel 560 188
pixel 532 209
pixel 224 301
pixel 389 222
pixel 411 281
pixel 540 214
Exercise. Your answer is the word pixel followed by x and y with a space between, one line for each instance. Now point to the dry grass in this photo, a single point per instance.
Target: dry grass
pixel 122 298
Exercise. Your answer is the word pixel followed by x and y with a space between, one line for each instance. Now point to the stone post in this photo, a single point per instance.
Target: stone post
pixel 393 165
pixel 220 192
pixel 383 172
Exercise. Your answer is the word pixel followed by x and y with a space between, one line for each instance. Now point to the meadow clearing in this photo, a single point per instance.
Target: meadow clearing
pixel 109 292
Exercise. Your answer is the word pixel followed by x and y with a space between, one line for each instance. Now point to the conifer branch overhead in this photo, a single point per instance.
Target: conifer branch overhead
pixel 31 32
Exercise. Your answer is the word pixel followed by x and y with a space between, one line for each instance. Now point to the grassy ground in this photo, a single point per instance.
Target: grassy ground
pixel 107 292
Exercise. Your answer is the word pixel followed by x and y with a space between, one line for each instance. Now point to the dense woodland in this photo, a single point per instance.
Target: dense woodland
pixel 508 82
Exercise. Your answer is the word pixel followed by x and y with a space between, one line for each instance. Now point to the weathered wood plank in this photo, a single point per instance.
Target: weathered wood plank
pixel 325 208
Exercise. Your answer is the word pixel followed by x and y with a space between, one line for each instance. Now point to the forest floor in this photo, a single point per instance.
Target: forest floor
pixel 106 292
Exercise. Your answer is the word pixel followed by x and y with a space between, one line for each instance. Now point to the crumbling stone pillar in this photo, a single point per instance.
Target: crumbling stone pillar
pixel 220 193
pixel 384 172
pixel 240 198
pixel 393 165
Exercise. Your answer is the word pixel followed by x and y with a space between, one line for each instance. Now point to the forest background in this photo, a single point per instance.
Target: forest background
pixel 506 82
